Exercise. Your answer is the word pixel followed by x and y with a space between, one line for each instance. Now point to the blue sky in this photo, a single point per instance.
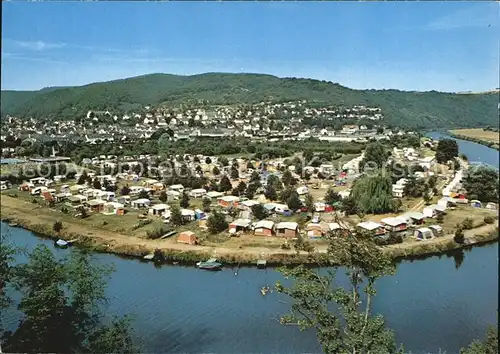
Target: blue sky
pixel 444 46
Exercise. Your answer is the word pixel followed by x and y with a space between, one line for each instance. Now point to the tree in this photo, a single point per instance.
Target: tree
pixel 467 223
pixel 309 203
pixel 223 161
pixel 241 188
pixel 255 177
pixel 332 197
pixel 459 235
pixel 287 178
pixel 215 171
pixel 64 298
pixel 232 211
pixel 225 184
pixel 176 216
pixel 143 194
pixel 216 222
pixel 83 178
pixel 446 150
pixel 251 190
pixel 270 193
pixel 489 346
pixel 481 183
pixel 184 202
pixel 234 173
pixel 376 156
pixel 125 190
pixel 163 196
pixel 427 197
pixel 208 160
pixel 373 194
pixel 349 206
pixel 294 202
pixel 341 317
pixel 207 202
pixel 57 226
pixel 259 211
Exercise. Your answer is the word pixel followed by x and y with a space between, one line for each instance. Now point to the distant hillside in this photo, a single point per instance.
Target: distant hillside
pixel 411 109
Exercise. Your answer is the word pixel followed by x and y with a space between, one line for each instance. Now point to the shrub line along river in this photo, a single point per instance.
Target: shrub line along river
pixel 431 304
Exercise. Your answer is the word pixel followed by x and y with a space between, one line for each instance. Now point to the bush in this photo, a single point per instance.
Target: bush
pixel 285 246
pixel 141 223
pixel 158 232
pixel 34 201
pixel 489 219
pixel 467 224
pixel 459 236
pixel 57 226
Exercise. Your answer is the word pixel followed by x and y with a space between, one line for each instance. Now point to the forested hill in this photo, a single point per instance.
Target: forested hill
pixel 411 109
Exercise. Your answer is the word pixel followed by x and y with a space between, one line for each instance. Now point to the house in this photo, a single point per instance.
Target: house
pixel 157 187
pixel 214 194
pixel 38 181
pixel 59 197
pixel 433 210
pixel 198 193
pixel 394 224
pixel 200 214
pixel 176 187
pixel 436 230
pixel 105 195
pixel 79 188
pixel 38 190
pixel 248 204
pixel 288 229
pixel 173 195
pixel 228 200
pixel 114 208
pixel 134 190
pixel 187 237
pixel 282 209
pixel 302 190
pixel 339 228
pixel 264 228
pixel 188 215
pixel 314 230
pixel 423 233
pixel 413 218
pixel 77 200
pixel 443 202
pixel 4 185
pixel 240 225
pixel 95 205
pixel 140 203
pixel 124 199
pixel 398 190
pixel 158 209
pixel 372 227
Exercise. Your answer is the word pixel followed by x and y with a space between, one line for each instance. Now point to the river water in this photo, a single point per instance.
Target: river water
pixel 431 304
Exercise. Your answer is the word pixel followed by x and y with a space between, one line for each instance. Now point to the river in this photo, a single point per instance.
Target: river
pixel 431 304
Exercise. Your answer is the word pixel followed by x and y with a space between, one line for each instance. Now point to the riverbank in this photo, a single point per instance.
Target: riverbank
pixel 479 136
pixel 40 220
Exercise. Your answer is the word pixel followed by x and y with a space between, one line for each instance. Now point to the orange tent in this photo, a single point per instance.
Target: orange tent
pixel 187 237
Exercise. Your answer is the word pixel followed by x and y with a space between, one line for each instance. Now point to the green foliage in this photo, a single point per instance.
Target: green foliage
pixel 332 197
pixel 414 188
pixel 216 222
pixel 488 346
pixel 446 150
pixel 57 226
pixel 412 109
pixel 270 193
pixel 143 195
pixel 467 223
pixel 184 202
pixel 293 201
pixel 259 211
pixel 309 203
pixel 287 179
pixel 440 218
pixel 373 194
pixel 207 202
pixel 376 156
pixel 176 216
pixel 489 219
pixel 163 196
pixel 481 183
pixel 459 235
pixel 341 317
pixel 62 303
pixel 232 211
pixel 158 232
pixel 225 184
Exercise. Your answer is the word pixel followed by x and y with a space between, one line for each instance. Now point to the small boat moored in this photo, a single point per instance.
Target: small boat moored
pixel 210 265
pixel 13 224
pixel 261 264
pixel 211 260
pixel 62 244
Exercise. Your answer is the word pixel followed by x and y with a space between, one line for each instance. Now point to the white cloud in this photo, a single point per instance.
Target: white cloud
pixel 484 15
pixel 37 45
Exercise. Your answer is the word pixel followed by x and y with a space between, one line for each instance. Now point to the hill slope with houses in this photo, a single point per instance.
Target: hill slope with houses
pixel 401 108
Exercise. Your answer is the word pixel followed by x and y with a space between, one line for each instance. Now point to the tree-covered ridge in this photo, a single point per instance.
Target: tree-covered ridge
pixel 413 109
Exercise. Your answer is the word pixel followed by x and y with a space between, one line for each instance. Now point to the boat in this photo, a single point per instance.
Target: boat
pixel 62 244
pixel 13 224
pixel 149 257
pixel 211 260
pixel 210 265
pixel 261 263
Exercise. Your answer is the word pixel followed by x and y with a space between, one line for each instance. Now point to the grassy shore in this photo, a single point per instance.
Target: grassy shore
pixel 484 137
pixel 93 236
